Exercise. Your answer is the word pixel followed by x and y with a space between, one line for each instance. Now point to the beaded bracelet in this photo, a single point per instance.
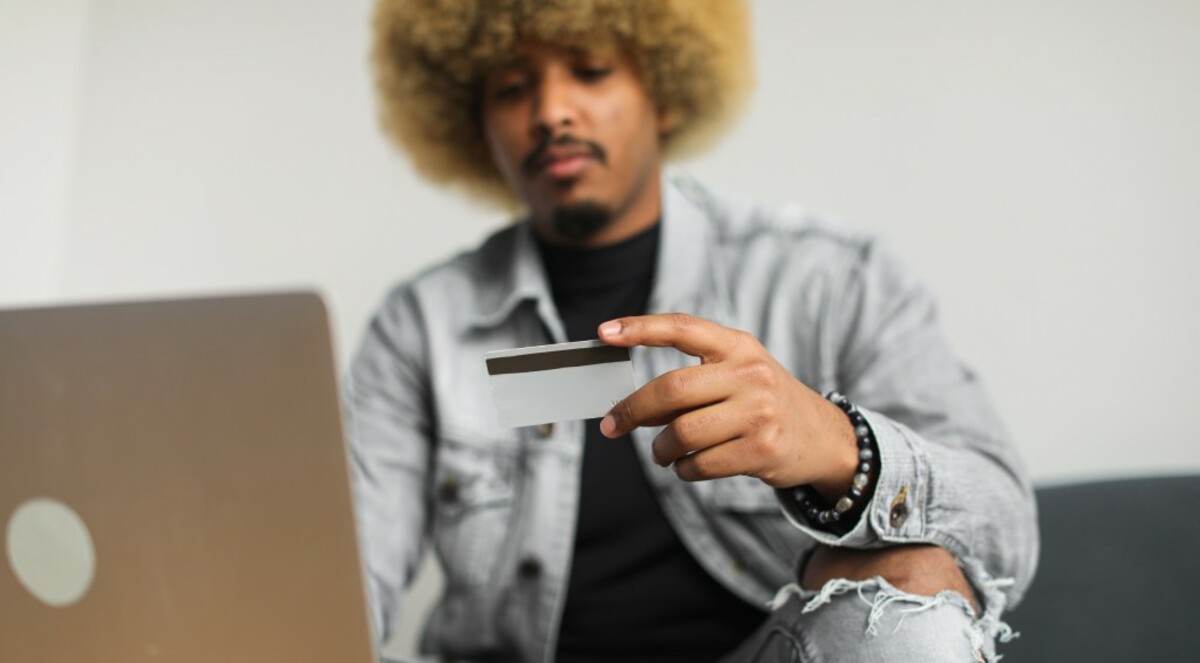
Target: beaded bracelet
pixel 866 454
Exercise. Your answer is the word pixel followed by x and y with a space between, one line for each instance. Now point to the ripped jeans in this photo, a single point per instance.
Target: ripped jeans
pixel 872 621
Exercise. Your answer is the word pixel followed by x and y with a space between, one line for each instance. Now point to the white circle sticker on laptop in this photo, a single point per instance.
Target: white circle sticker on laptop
pixel 51 551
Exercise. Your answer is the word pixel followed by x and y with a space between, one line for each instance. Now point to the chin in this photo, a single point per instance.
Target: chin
pixel 580 221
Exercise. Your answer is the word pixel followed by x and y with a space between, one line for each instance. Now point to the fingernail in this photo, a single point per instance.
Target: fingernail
pixel 610 329
pixel 608 425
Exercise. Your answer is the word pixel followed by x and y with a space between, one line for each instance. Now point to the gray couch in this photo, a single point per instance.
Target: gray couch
pixel 1119 576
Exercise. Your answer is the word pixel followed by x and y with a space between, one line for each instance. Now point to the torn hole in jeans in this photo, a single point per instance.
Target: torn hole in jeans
pixel 887 598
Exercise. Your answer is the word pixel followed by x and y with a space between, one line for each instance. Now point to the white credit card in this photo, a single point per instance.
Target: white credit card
pixel 562 382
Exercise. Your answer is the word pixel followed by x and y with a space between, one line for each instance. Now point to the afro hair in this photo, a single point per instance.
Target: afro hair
pixel 431 56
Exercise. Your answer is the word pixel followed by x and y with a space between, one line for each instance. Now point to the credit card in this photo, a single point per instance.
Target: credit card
pixel 562 382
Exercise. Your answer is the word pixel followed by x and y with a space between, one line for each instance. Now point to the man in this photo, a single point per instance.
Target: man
pixel 892 523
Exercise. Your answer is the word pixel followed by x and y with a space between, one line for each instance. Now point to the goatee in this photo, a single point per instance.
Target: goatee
pixel 579 222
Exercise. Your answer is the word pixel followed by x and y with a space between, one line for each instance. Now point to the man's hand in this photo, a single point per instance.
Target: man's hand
pixel 738 412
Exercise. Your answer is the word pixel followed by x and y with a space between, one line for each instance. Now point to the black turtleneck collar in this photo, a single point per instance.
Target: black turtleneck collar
pixel 577 272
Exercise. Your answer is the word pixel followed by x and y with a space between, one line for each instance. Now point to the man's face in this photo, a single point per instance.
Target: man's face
pixel 576 136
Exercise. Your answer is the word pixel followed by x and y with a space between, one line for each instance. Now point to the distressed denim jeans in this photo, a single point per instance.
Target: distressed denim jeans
pixel 871 621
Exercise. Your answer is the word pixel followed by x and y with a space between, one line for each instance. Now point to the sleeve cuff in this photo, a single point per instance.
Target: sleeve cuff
pixel 897 510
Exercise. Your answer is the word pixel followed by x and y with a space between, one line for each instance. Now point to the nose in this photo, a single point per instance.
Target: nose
pixel 554 110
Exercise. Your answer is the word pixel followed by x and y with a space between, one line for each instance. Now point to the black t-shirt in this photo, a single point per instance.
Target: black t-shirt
pixel 635 592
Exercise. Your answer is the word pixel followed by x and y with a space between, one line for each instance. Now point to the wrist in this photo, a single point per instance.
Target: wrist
pixel 844 460
pixel 842 512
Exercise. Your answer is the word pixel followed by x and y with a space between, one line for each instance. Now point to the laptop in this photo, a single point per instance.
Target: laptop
pixel 174 486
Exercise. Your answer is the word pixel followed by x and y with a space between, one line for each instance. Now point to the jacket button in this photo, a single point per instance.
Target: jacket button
pixel 899 513
pixel 544 430
pixel 448 491
pixel 530 567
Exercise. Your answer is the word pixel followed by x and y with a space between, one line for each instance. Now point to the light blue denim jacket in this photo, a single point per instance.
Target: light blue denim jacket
pixel 433 467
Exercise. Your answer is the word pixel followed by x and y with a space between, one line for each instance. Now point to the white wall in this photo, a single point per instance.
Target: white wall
pixel 1037 163
pixel 232 146
pixel 41 58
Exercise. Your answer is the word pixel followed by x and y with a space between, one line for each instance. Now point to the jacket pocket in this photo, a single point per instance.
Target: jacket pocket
pixel 744 494
pixel 748 516
pixel 474 488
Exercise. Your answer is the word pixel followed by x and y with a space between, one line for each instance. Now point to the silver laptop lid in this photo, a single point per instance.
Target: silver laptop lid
pixel 173 486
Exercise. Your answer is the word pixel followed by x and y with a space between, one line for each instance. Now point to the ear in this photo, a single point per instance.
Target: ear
pixel 666 121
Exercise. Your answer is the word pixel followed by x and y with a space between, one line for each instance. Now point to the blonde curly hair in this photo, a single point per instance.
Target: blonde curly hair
pixel 430 58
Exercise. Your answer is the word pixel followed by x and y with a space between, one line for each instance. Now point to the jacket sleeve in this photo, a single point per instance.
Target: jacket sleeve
pixel 389 426
pixel 948 472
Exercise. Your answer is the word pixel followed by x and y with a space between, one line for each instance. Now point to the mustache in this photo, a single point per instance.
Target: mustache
pixel 533 159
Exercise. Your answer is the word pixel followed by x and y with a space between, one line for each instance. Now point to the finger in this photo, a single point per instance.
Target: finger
pixel 697 430
pixel 695 336
pixel 727 459
pixel 666 397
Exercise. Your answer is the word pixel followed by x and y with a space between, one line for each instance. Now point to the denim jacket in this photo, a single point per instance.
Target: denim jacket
pixel 432 467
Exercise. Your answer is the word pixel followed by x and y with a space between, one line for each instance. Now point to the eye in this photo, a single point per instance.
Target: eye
pixel 591 73
pixel 509 86
pixel 510 91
